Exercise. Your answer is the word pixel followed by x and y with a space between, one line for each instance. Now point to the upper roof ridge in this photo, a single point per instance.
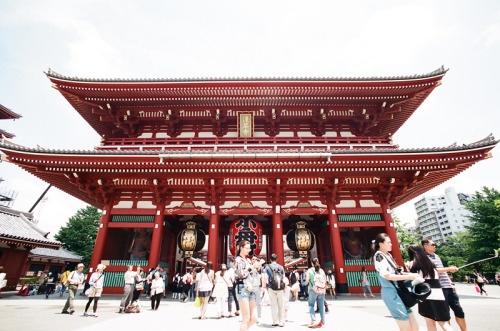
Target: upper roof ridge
pixel 438 72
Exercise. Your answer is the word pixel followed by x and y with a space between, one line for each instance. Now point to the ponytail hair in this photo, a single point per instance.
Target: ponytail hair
pixel 380 238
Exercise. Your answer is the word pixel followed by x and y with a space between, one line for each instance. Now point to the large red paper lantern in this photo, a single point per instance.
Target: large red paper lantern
pixel 246 229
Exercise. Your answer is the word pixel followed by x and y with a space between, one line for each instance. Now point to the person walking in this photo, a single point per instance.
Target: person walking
pixel 128 289
pixel 157 289
pixel 316 279
pixel 275 286
pixel 243 270
pixel 330 281
pixel 303 284
pixel 187 280
pixel 138 285
pixel 260 290
pixel 480 280
pixel 365 283
pixel 450 295
pixel 51 285
pixel 232 289
pixel 96 283
pixel 387 273
pixel 434 308
pixel 295 283
pixel 205 287
pixel 75 279
pixel 221 291
pixel 175 290
pixel 192 289
pixel 64 278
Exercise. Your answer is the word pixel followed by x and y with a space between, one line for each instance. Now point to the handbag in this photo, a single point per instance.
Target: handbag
pixel 410 298
pixel 252 282
pixel 139 286
pixel 197 302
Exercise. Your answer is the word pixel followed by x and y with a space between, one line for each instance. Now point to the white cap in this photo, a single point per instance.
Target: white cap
pixel 101 266
pixel 80 265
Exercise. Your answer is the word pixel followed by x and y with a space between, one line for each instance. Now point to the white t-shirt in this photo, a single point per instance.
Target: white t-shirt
pixel 382 264
pixel 129 277
pixel 205 282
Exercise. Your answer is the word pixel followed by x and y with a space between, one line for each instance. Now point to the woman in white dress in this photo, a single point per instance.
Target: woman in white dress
pixel 221 291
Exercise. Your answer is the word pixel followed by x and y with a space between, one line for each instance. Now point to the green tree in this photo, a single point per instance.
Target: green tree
pixel 80 232
pixel 485 227
pixel 455 251
pixel 404 238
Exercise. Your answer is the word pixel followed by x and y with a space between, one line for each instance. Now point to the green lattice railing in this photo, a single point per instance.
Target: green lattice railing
pixel 142 263
pixel 358 262
pixel 354 276
pixel 133 218
pixel 360 218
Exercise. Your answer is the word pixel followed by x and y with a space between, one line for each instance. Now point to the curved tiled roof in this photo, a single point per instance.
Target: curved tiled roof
pixel 52 74
pixel 17 227
pixel 61 254
pixel 488 141
pixel 6 113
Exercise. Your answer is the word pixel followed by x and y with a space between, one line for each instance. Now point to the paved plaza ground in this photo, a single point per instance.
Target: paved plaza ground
pixel 349 312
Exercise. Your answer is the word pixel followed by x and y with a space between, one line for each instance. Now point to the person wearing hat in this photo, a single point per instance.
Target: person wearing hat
pixel 75 278
pixel 96 283
pixel 128 289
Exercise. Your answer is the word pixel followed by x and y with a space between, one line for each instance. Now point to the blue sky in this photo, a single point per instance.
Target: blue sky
pixel 166 39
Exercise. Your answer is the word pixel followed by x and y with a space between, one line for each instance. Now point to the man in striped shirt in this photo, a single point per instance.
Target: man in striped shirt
pixel 449 292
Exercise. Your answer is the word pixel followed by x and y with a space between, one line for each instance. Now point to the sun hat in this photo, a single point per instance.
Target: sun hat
pixel 101 266
pixel 80 265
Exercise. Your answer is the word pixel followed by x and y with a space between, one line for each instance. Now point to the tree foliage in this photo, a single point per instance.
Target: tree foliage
pixel 484 230
pixel 80 232
pixel 455 251
pixel 404 238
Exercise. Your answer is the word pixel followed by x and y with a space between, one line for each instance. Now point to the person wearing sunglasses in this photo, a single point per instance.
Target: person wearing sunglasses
pixel 449 292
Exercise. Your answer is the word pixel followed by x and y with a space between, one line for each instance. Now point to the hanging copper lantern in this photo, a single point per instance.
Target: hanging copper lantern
pixel 191 239
pixel 300 239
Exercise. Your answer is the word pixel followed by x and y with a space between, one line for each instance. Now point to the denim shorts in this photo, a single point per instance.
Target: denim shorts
pixel 393 302
pixel 243 294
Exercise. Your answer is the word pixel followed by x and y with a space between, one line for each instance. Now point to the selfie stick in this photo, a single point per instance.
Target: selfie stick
pixel 490 258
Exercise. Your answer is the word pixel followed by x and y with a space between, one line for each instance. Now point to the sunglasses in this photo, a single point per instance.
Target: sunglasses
pixel 432 245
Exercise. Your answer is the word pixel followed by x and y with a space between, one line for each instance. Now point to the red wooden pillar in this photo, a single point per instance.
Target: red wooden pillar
pixel 213 237
pixel 154 255
pixel 278 248
pixel 100 241
pixel 319 248
pixel 172 252
pixel 338 258
pixel 390 229
pixel 20 272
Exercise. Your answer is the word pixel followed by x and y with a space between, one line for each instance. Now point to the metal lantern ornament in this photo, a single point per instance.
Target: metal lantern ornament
pixel 246 229
pixel 191 239
pixel 300 239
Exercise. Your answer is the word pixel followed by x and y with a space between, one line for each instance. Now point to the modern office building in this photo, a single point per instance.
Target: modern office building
pixel 442 216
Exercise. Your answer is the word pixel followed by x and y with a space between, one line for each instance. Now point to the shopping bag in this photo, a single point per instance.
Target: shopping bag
pixel 197 302
pixel 477 288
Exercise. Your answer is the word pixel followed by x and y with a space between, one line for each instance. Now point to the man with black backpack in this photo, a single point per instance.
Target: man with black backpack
pixel 275 286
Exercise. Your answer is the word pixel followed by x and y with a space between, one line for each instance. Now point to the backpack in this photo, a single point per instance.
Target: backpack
pixel 134 307
pixel 277 282
pixel 189 279
pixel 319 283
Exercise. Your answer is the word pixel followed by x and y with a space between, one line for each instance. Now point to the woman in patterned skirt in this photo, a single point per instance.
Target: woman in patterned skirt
pixel 435 308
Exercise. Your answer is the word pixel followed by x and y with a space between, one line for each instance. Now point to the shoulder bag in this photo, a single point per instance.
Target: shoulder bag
pixel 409 298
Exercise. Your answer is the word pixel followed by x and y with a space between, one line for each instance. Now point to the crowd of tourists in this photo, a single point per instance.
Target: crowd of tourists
pixel 251 283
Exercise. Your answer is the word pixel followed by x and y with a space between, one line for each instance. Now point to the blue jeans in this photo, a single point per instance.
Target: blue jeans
pixel 320 298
